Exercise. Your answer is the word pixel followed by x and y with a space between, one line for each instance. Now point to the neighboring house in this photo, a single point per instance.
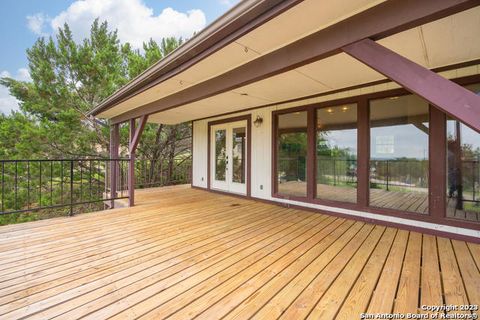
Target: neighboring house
pixel 365 109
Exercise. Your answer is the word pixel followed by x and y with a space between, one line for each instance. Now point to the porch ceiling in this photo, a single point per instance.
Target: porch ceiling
pixel 444 42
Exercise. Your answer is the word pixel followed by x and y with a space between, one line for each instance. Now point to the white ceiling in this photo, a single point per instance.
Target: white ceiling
pixel 443 42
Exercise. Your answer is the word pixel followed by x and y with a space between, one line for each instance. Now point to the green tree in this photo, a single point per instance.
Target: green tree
pixel 68 80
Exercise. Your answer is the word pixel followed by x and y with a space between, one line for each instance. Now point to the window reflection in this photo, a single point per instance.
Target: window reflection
pixel 220 155
pixel 238 154
pixel 399 153
pixel 292 154
pixel 336 145
pixel 463 170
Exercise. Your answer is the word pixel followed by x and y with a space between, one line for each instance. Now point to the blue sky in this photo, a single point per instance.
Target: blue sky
pixel 23 21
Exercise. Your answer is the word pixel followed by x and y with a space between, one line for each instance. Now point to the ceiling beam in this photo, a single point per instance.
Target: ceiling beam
pixel 446 95
pixel 383 20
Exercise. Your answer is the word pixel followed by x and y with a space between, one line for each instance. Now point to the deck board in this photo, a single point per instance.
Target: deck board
pixel 185 253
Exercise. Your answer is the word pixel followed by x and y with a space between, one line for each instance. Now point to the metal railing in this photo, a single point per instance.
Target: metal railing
pixel 399 173
pixel 63 184
pixel 387 174
pixel 155 173
pixel 38 189
pixel 472 189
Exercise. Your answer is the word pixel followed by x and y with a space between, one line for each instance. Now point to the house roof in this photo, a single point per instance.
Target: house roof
pixel 249 37
pixel 200 45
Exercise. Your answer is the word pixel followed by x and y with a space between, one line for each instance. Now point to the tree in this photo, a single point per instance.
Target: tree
pixel 68 80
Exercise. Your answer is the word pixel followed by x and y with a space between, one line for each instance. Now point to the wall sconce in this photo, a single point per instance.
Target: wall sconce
pixel 258 121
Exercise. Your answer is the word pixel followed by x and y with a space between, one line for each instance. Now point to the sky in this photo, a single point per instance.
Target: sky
pixel 22 22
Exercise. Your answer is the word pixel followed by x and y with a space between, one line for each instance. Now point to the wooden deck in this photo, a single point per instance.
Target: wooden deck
pixel 185 253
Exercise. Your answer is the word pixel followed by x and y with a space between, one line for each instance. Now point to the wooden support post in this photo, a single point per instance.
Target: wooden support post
pixel 363 156
pixel 131 167
pixel 114 148
pixel 135 134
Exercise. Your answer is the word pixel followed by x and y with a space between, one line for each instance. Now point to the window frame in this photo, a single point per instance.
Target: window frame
pixel 437 164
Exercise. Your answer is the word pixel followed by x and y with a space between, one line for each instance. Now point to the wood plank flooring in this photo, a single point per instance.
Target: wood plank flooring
pixel 183 253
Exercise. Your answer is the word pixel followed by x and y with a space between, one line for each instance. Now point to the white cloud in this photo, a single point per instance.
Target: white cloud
pixel 8 102
pixel 228 3
pixel 136 23
pixel 36 23
pixel 23 75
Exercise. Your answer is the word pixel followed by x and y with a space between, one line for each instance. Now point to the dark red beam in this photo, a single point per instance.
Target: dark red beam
pixel 114 149
pixel 385 19
pixel 444 94
pixel 138 133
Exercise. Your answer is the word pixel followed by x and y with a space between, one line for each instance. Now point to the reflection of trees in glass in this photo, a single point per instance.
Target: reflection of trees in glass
pixel 238 155
pixel 292 152
pixel 220 155
pixel 399 174
pixel 463 171
pixel 335 165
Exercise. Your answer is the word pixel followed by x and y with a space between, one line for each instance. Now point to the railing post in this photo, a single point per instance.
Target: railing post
pixel 334 173
pixel 388 175
pixel 474 178
pixel 71 187
pixel 114 148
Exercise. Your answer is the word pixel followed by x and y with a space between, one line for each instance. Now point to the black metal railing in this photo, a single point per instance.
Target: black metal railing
pixel 387 174
pixel 60 185
pixel 39 189
pixel 470 181
pixel 398 173
pixel 155 173
pixel 337 171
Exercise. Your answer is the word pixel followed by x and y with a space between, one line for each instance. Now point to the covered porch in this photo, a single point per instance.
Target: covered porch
pixel 182 253
pixel 368 108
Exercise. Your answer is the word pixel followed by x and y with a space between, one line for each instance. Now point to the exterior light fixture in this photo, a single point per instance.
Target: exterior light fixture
pixel 345 108
pixel 258 121
pixel 329 110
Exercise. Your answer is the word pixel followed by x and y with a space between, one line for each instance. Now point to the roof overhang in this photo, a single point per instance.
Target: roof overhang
pixel 293 49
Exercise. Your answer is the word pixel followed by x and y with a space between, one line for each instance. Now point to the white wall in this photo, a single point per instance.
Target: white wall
pixel 200 139
pixel 262 157
pixel 261 152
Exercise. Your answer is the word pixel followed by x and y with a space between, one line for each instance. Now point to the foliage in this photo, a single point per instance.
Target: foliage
pixel 70 78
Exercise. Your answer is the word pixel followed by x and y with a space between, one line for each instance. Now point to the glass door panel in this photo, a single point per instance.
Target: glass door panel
pixel 220 155
pixel 238 154
pixel 229 157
